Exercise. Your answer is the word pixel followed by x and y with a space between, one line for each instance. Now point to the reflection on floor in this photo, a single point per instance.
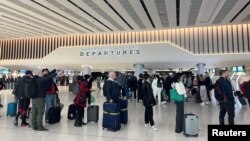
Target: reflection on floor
pixel 164 116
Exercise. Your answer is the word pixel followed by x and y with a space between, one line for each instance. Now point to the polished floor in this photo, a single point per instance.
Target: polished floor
pixel 164 116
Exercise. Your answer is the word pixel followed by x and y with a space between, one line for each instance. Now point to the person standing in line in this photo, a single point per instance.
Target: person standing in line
pixel 23 101
pixel 203 90
pixel 157 86
pixel 168 82
pixel 139 87
pixel 38 103
pixel 224 94
pixel 180 88
pixel 81 100
pixel 148 102
pixel 111 89
pixel 50 99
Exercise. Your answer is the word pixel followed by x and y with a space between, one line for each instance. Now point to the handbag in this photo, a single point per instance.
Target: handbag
pixel 175 96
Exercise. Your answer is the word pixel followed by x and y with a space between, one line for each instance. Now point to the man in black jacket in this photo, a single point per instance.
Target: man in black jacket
pixel 225 97
pixel 38 103
pixel 23 101
pixel 148 102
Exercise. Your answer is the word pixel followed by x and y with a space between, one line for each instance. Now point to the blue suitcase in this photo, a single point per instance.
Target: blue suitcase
pixel 11 109
pixel 124 111
pixel 111 116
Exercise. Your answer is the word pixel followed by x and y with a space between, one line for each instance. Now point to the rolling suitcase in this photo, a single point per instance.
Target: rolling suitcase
pixel 93 113
pixel 72 112
pixel 191 125
pixel 11 109
pixel 54 115
pixel 111 116
pixel 124 111
pixel 242 101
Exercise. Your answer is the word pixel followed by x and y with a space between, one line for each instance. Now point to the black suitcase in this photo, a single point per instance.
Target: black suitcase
pixel 242 101
pixel 72 111
pixel 54 115
pixel 93 113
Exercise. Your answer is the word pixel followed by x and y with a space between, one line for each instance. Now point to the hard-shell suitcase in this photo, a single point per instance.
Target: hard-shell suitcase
pixel 11 109
pixel 111 116
pixel 72 112
pixel 93 113
pixel 54 115
pixel 191 125
pixel 124 111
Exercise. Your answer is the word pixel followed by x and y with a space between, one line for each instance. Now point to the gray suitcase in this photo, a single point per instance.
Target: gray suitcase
pixel 93 113
pixel 191 125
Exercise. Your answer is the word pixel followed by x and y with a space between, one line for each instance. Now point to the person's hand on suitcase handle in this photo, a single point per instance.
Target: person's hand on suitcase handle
pixel 111 101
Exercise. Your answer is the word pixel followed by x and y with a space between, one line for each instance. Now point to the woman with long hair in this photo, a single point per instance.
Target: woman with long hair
pixel 180 88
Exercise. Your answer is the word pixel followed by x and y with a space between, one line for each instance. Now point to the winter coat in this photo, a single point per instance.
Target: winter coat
pixel 82 96
pixel 148 96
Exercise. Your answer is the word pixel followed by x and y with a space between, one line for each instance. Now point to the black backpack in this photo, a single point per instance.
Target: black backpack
pixel 218 93
pixel 30 88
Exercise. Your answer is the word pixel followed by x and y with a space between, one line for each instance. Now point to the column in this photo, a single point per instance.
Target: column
pixel 138 69
pixel 86 70
pixel 201 68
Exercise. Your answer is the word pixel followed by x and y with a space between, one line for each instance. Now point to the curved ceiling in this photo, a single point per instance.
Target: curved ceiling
pixel 28 18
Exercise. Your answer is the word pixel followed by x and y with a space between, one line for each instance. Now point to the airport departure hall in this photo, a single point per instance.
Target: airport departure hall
pixel 124 70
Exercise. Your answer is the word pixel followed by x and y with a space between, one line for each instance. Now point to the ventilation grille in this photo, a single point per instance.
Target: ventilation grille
pixel 33 17
pixel 246 19
pixel 68 11
pixel 127 6
pixel 194 11
pixel 34 10
pixel 228 5
pixel 162 11
pixel 97 9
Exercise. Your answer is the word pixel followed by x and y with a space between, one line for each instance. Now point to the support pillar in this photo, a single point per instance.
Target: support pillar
pixel 201 68
pixel 86 70
pixel 138 69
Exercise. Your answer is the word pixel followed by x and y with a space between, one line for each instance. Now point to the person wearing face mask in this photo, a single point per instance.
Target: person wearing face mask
pixel 224 94
pixel 38 103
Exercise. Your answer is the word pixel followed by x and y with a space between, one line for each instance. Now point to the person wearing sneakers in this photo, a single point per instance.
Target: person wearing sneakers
pixel 23 101
pixel 179 118
pixel 148 102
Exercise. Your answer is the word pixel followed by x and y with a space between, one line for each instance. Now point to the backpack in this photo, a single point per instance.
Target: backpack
pixel 30 88
pixel 159 84
pixel 218 92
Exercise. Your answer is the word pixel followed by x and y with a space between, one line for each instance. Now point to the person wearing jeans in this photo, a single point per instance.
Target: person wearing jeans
pixel 50 99
pixel 148 102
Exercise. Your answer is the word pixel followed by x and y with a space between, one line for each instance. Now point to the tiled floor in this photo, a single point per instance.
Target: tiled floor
pixel 164 117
